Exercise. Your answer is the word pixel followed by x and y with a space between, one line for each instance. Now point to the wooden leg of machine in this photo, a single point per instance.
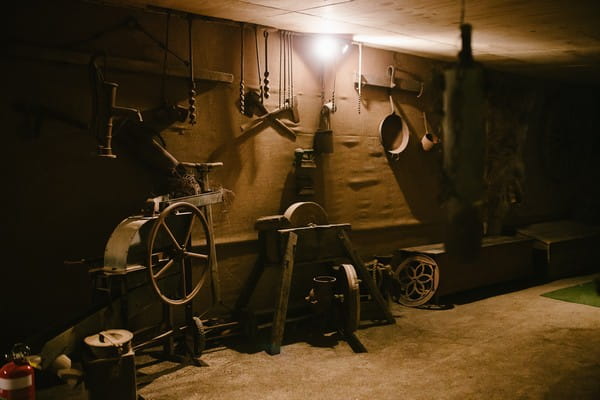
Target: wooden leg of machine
pixel 354 342
pixel 365 277
pixel 169 344
pixel 214 269
pixel 287 267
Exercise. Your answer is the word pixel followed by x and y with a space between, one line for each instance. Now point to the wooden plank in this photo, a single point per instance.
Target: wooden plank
pixel 365 277
pixel 117 63
pixel 318 243
pixel 283 294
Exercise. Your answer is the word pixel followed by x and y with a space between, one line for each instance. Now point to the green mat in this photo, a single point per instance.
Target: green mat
pixel 584 293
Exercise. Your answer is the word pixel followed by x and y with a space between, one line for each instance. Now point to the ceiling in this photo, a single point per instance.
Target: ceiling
pixel 553 38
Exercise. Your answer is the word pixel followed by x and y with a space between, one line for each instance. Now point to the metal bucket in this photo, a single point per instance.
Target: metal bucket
pixel 109 366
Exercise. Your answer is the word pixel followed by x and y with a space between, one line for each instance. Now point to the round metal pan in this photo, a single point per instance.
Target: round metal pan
pixel 393 132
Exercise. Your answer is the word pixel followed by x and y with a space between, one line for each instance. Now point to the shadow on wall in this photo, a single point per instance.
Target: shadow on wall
pixel 417 172
pixel 64 201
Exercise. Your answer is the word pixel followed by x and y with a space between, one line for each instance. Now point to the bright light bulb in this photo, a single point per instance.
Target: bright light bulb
pixel 326 47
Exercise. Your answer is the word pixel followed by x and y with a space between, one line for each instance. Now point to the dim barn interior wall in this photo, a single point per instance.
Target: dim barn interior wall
pixel 63 201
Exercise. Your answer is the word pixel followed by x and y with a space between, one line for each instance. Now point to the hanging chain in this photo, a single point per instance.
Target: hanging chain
pixel 192 92
pixel 242 88
pixel 266 74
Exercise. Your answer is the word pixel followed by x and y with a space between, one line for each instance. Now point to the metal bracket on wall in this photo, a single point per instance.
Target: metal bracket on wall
pixel 402 84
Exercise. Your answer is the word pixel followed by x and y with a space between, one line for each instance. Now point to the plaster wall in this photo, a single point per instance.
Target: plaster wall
pixel 63 201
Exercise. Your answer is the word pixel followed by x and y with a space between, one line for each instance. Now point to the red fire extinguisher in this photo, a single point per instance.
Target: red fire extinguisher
pixel 17 376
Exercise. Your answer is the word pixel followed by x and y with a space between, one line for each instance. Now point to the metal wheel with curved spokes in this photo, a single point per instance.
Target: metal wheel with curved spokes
pixel 415 280
pixel 172 257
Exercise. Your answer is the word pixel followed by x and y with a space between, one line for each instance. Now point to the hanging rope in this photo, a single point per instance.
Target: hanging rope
pixel 266 74
pixel 333 105
pixel 242 88
pixel 462 12
pixel 258 62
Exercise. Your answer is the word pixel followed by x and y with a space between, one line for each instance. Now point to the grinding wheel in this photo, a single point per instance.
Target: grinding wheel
pixel 347 284
pixel 305 213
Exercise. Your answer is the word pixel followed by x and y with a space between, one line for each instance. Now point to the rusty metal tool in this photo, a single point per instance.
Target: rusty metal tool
pixel 104 109
pixel 253 102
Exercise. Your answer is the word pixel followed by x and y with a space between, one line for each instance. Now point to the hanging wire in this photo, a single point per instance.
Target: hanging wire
pixel 164 71
pixel 462 12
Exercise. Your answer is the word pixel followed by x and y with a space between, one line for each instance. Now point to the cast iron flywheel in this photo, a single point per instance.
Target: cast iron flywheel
pixel 415 280
pixel 179 256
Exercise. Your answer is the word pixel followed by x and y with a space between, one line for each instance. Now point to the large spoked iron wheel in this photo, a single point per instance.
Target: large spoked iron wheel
pixel 179 253
pixel 415 280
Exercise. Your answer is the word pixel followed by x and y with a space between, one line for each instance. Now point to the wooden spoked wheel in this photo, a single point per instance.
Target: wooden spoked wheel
pixel 415 280
pixel 179 253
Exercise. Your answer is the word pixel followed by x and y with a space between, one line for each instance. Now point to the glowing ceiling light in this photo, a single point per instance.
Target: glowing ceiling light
pixel 330 47
pixel 326 47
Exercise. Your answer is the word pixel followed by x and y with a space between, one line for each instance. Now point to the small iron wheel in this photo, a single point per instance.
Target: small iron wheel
pixel 415 280
pixel 174 245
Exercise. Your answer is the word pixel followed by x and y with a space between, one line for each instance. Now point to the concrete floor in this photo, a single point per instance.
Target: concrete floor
pixel 512 346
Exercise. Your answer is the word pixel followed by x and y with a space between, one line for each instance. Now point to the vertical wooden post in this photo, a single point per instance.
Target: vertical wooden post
pixel 283 294
pixel 214 268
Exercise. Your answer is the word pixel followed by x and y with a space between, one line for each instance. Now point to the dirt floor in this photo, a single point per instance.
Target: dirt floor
pixel 518 345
